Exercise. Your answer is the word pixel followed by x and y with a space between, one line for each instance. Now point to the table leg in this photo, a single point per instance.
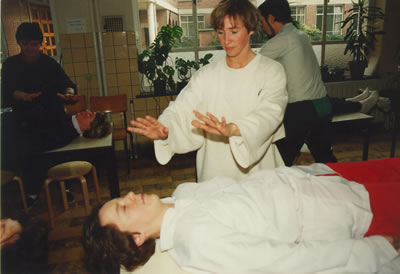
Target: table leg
pixel 394 133
pixel 113 182
pixel 366 142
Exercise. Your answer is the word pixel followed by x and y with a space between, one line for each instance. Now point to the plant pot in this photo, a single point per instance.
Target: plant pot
pixel 357 69
pixel 180 86
pixel 160 87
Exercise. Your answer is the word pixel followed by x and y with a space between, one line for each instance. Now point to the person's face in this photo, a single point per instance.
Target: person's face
pixel 267 27
pixel 30 49
pixel 133 213
pixel 85 118
pixel 234 37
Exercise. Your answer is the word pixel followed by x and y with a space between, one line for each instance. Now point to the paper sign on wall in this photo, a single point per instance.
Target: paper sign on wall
pixel 76 25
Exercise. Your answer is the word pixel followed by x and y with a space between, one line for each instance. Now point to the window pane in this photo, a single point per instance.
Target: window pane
pixel 334 56
pixel 45 28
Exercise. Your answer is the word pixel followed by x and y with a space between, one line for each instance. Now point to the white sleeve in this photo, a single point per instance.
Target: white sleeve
pixel 258 128
pixel 177 117
pixel 219 249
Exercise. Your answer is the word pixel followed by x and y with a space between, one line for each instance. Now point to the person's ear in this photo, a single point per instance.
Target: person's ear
pixel 139 238
pixel 271 19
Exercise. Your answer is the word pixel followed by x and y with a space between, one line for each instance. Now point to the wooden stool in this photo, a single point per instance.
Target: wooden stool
pixel 67 171
pixel 7 177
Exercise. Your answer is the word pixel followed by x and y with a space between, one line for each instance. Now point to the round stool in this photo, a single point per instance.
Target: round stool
pixel 8 177
pixel 67 171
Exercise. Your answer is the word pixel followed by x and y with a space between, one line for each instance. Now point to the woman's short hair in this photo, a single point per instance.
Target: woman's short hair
pixel 28 32
pixel 242 9
pixel 107 248
pixel 280 9
pixel 99 127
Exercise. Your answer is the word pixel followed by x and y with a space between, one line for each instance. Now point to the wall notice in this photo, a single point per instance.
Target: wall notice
pixel 76 25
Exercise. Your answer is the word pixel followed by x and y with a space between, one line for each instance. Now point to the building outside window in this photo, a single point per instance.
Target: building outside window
pixel 333 18
pixel 327 41
pixel 298 14
pixel 188 27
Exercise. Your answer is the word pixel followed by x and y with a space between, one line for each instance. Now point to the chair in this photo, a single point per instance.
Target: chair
pixel 8 177
pixel 79 106
pixel 115 104
pixel 67 171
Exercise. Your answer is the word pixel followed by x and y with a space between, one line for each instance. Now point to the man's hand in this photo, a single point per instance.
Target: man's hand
pixel 68 98
pixel 27 97
pixel 9 231
pixel 211 124
pixel 149 127
pixel 85 119
pixel 393 240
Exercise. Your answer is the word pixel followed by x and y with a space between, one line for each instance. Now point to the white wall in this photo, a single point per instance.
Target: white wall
pixel 80 9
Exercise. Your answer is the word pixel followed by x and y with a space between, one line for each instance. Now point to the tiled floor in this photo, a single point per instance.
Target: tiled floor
pixel 65 251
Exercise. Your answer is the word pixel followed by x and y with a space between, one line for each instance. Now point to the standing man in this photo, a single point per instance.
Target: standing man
pixel 33 85
pixel 308 114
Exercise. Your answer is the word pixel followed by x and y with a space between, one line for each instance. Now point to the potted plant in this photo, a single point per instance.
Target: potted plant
pixel 153 63
pixel 184 69
pixel 360 34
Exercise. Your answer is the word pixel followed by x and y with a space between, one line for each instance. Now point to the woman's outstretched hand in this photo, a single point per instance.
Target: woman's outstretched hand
pixel 211 124
pixel 149 127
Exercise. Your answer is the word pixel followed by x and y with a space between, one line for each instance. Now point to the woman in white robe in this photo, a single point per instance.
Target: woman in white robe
pixel 232 109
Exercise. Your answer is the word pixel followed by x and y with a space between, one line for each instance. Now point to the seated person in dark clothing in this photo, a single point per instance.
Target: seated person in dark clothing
pixel 34 85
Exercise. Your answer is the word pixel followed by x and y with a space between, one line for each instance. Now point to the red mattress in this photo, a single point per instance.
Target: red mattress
pixel 382 180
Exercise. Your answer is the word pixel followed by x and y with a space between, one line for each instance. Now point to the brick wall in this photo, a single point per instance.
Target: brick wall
pixel 13 13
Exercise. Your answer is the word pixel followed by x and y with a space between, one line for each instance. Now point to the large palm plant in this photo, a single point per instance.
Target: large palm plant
pixel 360 33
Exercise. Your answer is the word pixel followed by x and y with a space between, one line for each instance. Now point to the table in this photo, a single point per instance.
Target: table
pixel 98 151
pixel 356 120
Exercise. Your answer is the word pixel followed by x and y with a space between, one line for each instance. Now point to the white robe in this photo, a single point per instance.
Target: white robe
pixel 253 97
pixel 281 220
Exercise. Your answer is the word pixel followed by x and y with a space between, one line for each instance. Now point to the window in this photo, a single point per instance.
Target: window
pixel 113 24
pixel 188 27
pixel 333 18
pixel 311 15
pixel 298 14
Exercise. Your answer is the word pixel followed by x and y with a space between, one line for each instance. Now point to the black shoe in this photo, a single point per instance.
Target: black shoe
pixel 70 197
pixel 31 201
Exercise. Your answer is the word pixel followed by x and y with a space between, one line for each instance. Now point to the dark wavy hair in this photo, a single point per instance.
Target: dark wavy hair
pixel 242 9
pixel 280 9
pixel 107 248
pixel 29 253
pixel 99 127
pixel 29 31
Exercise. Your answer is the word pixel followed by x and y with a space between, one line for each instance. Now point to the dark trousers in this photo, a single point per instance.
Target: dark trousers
pixel 302 125
pixel 21 154
pixel 341 106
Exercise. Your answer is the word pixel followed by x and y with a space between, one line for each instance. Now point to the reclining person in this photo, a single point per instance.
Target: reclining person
pixel 279 220
pixel 46 132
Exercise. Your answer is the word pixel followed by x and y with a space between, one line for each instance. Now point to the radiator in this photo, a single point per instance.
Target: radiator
pixel 347 89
